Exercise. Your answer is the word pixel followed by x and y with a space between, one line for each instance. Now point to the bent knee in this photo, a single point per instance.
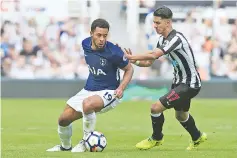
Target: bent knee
pixel 155 108
pixel 87 106
pixel 181 116
pixel 68 116
pixel 62 121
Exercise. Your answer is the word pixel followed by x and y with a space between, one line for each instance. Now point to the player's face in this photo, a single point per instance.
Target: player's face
pixel 160 24
pixel 99 37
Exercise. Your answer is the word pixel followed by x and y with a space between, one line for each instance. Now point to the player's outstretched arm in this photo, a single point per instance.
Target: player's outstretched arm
pixel 140 63
pixel 144 63
pixel 150 55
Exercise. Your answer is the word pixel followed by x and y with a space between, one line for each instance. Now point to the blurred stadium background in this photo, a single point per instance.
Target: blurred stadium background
pixel 41 39
pixel 41 57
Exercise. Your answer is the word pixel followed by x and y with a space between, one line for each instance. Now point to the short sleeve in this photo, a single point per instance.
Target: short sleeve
pixel 119 58
pixel 160 40
pixel 171 45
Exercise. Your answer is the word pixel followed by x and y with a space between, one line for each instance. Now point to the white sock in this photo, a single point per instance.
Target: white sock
pixel 89 122
pixel 65 134
pixel 156 115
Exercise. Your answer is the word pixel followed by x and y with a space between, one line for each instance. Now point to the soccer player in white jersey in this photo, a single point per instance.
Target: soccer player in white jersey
pixel 186 83
pixel 103 89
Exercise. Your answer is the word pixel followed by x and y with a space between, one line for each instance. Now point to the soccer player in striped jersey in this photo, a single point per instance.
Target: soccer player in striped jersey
pixel 186 82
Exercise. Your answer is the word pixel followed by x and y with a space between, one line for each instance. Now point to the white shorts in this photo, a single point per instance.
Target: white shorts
pixel 108 97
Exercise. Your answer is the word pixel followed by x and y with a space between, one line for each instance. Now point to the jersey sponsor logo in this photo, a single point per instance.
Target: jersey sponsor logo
pixel 103 61
pixel 174 63
pixel 95 71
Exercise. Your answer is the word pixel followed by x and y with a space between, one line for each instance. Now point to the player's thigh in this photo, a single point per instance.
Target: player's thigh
pixel 98 100
pixel 186 94
pixel 76 101
pixel 101 102
pixel 68 116
pixel 110 101
pixel 92 103
pixel 177 97
pixel 157 107
pixel 183 104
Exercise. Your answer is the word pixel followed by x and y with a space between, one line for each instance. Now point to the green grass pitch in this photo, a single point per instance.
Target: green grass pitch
pixel 29 127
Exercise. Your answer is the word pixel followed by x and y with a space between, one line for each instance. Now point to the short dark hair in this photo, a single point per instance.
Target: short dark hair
pixel 163 12
pixel 101 23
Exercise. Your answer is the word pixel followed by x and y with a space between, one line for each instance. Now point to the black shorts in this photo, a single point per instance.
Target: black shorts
pixel 179 97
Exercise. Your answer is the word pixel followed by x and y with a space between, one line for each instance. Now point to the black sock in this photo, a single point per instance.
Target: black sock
pixel 190 126
pixel 157 124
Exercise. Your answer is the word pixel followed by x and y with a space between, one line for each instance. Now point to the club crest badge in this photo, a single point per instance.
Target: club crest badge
pixel 166 43
pixel 103 61
pixel 125 58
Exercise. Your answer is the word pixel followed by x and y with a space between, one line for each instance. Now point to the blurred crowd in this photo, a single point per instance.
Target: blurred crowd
pixel 213 38
pixel 30 51
pixel 216 57
pixel 33 49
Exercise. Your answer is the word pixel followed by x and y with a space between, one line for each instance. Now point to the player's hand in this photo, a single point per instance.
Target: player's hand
pixel 117 45
pixel 132 61
pixel 128 54
pixel 118 92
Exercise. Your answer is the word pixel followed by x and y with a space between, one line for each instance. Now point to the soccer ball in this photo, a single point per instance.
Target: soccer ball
pixel 95 142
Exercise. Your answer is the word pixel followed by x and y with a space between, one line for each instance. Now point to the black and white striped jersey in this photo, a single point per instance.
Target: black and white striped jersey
pixel 179 52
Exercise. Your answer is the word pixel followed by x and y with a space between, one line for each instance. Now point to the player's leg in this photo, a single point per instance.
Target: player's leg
pixel 73 111
pixel 91 105
pixel 99 102
pixel 167 101
pixel 96 102
pixel 182 107
pixel 187 121
pixel 157 118
pixel 65 128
